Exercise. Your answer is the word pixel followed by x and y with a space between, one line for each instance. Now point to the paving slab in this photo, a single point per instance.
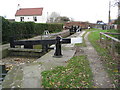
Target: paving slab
pixel 31 76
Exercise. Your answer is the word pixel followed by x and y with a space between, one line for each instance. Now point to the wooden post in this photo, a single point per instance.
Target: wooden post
pixel 44 48
pixel 106 42
pixel 100 37
pixel 12 42
pixel 112 47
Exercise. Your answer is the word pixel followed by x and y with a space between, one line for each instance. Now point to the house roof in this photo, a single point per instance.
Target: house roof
pixel 29 11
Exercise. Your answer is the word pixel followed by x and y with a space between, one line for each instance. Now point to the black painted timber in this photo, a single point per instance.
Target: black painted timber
pixel 36 42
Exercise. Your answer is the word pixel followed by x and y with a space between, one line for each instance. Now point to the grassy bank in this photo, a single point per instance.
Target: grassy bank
pixel 110 64
pixel 76 74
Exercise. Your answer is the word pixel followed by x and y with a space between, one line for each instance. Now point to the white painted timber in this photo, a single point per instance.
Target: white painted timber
pixel 76 40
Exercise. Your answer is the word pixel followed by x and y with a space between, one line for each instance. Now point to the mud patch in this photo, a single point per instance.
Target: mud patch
pixel 79 51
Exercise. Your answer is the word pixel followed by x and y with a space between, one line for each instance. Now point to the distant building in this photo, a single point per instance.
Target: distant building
pixel 81 24
pixel 30 15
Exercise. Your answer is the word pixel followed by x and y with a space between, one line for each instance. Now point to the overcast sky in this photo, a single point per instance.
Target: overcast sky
pixel 79 10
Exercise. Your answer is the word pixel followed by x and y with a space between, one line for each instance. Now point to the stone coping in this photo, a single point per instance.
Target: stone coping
pixel 25 50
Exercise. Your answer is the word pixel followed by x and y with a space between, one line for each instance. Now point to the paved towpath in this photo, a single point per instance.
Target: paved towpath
pixel 100 76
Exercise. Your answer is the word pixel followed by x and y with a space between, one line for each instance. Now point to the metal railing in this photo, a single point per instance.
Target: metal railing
pixel 110 43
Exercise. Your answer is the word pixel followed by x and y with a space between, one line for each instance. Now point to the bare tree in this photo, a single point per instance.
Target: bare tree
pixel 62 19
pixel 52 17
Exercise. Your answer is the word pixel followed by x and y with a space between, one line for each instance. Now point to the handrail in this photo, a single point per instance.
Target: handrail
pixel 111 46
pixel 112 33
pixel 115 39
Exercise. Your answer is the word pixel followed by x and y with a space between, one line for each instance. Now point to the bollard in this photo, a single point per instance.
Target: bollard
pixel 58 53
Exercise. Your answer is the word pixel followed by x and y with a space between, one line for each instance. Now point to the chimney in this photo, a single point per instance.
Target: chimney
pixel 18 7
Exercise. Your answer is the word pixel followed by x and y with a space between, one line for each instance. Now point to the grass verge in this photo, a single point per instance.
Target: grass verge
pixel 77 74
pixel 110 64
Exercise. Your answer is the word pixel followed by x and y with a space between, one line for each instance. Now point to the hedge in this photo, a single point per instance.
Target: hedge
pixel 40 27
pixel 26 29
pixel 6 31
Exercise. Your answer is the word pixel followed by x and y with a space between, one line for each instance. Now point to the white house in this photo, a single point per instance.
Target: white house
pixel 30 15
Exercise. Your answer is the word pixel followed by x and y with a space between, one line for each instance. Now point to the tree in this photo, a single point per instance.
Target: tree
pixel 62 19
pixel 117 21
pixel 56 18
pixel 52 17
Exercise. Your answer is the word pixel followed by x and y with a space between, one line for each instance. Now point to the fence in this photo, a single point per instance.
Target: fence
pixel 110 43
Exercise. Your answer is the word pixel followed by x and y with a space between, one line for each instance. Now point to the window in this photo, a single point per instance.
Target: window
pixel 35 18
pixel 21 19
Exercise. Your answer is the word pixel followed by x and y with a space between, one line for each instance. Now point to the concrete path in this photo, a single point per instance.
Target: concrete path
pixel 100 76
pixel 31 76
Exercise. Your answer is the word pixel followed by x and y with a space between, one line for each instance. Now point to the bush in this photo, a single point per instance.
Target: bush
pixel 26 29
